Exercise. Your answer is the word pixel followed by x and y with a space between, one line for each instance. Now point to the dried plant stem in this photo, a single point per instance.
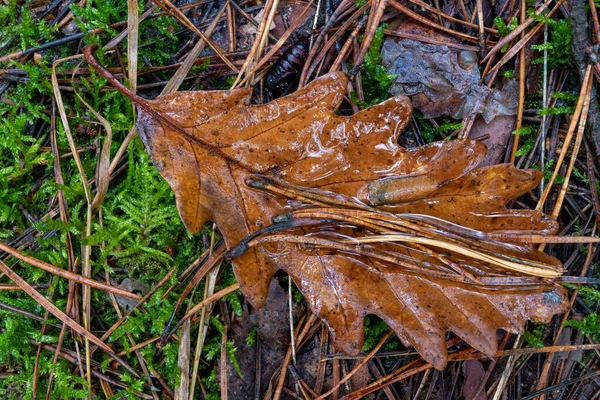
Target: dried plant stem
pixel 576 147
pixel 517 31
pixel 87 294
pixel 357 366
pixel 583 94
pixel 521 43
pixel 480 20
pixel 223 371
pixel 521 105
pixel 52 308
pixel 168 7
pixel 549 272
pixel 263 30
pixel 66 274
pixel 288 356
pixel 209 289
pixel 132 42
pixel 507 370
pixel 183 362
pixel 203 304
pixel 267 57
pixel 63 116
pixel 545 104
pixel 418 17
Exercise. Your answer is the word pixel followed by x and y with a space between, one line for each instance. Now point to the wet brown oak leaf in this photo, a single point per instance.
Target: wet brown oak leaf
pixel 329 180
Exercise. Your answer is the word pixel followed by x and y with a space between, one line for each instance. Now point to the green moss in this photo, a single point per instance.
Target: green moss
pixel 534 334
pixel 376 81
pixel 559 41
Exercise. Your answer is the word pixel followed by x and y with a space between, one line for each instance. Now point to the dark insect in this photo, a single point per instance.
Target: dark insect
pixel 283 75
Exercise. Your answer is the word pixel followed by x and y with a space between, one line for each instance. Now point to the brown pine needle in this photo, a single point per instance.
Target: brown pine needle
pixel 203 304
pixel 52 308
pixel 357 366
pixel 569 136
pixel 66 274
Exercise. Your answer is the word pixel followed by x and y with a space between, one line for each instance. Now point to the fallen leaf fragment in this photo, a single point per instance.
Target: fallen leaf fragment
pixel 293 186
pixel 443 80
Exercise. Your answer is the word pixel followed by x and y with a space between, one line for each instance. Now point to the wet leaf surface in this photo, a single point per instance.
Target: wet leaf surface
pixel 335 186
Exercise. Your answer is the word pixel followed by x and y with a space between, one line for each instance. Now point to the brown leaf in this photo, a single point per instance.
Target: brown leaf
pixel 362 225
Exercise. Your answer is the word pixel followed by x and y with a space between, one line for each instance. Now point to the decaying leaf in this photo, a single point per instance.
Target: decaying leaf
pixel 362 225
pixel 442 75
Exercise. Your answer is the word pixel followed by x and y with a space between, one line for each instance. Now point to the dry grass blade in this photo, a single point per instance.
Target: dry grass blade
pixel 117 39
pixel 187 64
pixel 280 42
pixel 510 363
pixel 203 304
pixel 103 167
pixel 357 366
pixel 583 94
pixel 521 106
pixel 52 308
pixel 372 25
pixel 183 362
pixel 430 23
pixel 63 116
pixel 538 239
pixel 66 274
pixel 575 151
pixel 209 289
pixel 517 31
pixel 223 369
pixel 132 42
pixel 263 30
pixel 174 83
pixel 300 335
pixel 168 7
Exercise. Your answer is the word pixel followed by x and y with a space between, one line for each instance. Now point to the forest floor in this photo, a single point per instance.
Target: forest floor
pixel 81 199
